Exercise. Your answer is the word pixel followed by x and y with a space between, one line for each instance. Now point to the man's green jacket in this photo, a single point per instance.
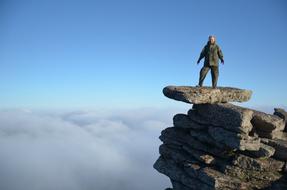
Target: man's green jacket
pixel 211 53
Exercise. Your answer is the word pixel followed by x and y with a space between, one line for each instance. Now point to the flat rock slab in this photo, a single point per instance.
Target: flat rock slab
pixel 226 115
pixel 202 95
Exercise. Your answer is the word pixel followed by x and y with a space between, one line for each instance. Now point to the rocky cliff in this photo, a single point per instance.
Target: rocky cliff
pixel 218 145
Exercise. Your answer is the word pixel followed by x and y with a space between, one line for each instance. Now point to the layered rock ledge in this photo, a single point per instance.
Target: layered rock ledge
pixel 202 95
pixel 221 146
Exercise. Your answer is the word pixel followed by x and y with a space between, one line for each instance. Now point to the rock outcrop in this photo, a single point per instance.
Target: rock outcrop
pixel 282 114
pixel 203 95
pixel 218 145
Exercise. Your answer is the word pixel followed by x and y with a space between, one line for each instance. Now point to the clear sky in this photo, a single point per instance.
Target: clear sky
pixel 106 53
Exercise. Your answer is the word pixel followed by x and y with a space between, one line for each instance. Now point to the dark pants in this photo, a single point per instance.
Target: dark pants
pixel 214 75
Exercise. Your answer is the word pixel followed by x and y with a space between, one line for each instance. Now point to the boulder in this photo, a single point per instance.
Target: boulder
pixel 249 163
pixel 175 172
pixel 215 178
pixel 183 121
pixel 256 179
pixel 234 140
pixel 266 122
pixel 264 151
pixel 280 147
pixel 282 114
pixel 225 115
pixel 203 95
pixel 178 186
pixel 204 137
pixel 180 137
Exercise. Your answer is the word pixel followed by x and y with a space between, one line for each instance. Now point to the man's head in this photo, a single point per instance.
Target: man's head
pixel 211 39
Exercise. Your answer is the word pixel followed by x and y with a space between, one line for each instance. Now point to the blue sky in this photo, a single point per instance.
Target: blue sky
pixel 57 54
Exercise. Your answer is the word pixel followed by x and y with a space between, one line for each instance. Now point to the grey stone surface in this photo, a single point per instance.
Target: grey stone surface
pixel 180 137
pixel 256 179
pixel 176 173
pixel 225 115
pixel 280 148
pixel 178 186
pixel 199 155
pixel 204 137
pixel 282 114
pixel 246 162
pixel 280 184
pixel 221 146
pixel 202 95
pixel 195 117
pixel 214 178
pixel 234 140
pixel 264 151
pixel 178 155
pixel 267 123
pixel 278 134
pixel 183 121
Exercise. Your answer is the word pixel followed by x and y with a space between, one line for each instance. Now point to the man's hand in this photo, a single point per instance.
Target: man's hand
pixel 222 61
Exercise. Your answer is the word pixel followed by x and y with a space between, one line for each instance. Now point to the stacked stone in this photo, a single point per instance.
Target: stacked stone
pixel 218 145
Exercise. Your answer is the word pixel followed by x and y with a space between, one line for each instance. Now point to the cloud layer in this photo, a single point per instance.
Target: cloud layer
pixel 81 150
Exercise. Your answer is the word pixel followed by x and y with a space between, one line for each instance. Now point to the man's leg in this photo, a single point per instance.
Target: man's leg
pixel 203 73
pixel 214 75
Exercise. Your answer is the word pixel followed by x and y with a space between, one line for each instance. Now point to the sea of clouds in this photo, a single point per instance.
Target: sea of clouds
pixel 81 150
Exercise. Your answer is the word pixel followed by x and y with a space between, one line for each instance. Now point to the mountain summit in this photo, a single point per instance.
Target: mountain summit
pixel 218 145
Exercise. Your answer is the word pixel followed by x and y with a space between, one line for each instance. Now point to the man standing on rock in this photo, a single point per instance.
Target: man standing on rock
pixel 211 52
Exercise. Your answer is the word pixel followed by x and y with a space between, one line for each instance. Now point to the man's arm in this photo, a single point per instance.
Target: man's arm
pixel 220 55
pixel 202 54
